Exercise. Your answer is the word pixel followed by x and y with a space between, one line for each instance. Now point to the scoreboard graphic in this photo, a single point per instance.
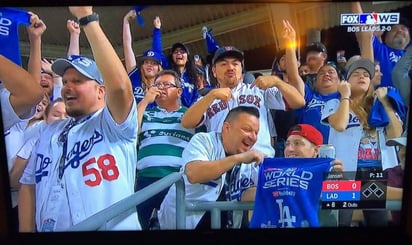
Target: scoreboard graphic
pixel 339 192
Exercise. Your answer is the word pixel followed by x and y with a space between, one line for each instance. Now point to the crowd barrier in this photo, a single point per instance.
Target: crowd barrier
pixel 96 221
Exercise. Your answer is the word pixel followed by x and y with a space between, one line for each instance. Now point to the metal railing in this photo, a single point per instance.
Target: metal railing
pixel 97 221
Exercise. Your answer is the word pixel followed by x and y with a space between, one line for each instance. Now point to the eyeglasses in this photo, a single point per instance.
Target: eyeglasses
pixel 178 50
pixel 165 85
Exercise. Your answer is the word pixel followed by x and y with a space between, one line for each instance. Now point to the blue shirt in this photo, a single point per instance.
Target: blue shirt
pixel 387 58
pixel 311 113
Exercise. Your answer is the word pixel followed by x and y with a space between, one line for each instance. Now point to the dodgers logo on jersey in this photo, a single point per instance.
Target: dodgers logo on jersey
pixel 314 103
pixel 353 121
pixel 81 149
pixel 43 162
pixel 138 93
pixel 238 184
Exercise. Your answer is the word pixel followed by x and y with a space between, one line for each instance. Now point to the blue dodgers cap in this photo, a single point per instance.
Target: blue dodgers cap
pixel 227 51
pixel 149 54
pixel 87 67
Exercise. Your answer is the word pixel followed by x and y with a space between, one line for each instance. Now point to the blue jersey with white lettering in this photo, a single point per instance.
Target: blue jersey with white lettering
pixel 11 18
pixel 288 192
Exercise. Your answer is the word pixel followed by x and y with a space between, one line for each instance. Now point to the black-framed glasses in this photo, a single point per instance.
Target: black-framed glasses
pixel 165 85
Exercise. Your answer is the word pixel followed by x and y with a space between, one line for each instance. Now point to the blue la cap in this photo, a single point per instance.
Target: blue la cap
pixel 84 65
pixel 149 54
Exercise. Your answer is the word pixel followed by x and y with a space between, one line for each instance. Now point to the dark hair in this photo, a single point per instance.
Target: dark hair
pixel 190 68
pixel 170 72
pixel 335 66
pixel 235 112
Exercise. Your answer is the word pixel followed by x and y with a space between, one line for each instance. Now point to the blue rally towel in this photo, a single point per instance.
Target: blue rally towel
pixel 288 192
pixel 211 43
pixel 378 116
pixel 10 19
pixel 139 17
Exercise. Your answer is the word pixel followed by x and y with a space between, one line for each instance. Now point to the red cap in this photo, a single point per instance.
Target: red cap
pixel 307 131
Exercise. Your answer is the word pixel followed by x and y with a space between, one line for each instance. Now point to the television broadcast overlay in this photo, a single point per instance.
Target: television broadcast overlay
pixel 338 193
pixel 369 21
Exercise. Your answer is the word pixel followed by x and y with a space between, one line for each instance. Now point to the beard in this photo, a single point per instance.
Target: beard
pixel 399 42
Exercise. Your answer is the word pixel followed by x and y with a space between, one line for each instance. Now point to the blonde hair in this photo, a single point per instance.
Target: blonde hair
pixel 363 107
pixel 145 81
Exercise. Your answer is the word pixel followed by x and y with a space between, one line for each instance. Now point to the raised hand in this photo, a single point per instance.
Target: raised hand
pixel 157 23
pixel 73 27
pixel 288 33
pixel 36 27
pixel 131 15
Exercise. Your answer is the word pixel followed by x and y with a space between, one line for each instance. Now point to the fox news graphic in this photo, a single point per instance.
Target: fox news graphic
pixel 338 193
pixel 369 21
pixel 288 191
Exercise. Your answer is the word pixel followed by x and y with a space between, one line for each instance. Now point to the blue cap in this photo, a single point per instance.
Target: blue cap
pixel 180 45
pixel 227 51
pixel 87 67
pixel 149 54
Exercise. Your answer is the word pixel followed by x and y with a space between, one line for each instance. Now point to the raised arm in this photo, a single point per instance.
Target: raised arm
pixel 129 55
pixel 157 35
pixel 74 30
pixel 119 94
pixel 364 38
pixel 157 44
pixel 292 69
pixel 35 31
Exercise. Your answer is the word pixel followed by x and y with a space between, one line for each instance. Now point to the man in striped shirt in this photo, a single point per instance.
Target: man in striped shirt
pixel 161 139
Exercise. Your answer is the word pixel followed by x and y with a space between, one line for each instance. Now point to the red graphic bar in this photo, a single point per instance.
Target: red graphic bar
pixel 341 185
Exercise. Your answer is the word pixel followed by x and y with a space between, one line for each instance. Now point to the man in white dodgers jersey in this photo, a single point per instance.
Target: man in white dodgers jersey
pixel 87 162
pixel 206 160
